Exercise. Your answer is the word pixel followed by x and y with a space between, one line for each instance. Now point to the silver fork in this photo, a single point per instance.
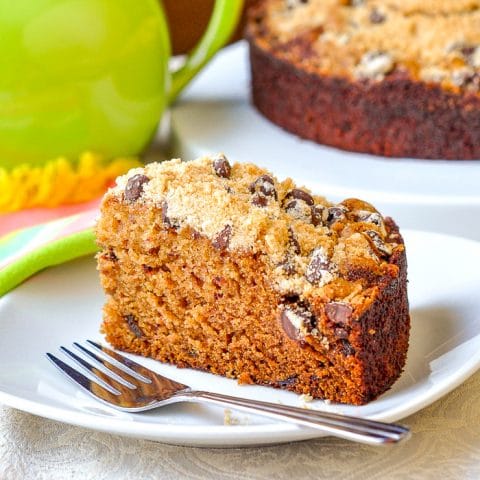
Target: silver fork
pixel 125 385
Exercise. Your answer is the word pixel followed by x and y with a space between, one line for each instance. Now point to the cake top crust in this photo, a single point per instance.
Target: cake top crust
pixel 434 41
pixel 312 245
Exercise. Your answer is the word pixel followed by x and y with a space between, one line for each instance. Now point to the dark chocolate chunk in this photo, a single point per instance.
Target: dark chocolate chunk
pixel 300 195
pixel 319 215
pixel 195 234
pixel 222 240
pixel 296 316
pixel 368 217
pixel 318 265
pixel 467 50
pixel 292 332
pixel 287 382
pixel 376 16
pixel 259 200
pixel 338 312
pixel 110 255
pixel 293 244
pixel 264 185
pixel 132 323
pixel 380 247
pixel 134 187
pixel 165 218
pixel 221 166
pixel 288 266
pixel 300 210
pixel 293 248
pixel 346 348
pixel 336 214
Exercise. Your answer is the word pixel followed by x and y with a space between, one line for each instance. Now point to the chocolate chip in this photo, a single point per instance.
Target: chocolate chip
pixel 293 248
pixel 222 240
pixel 195 234
pixel 110 255
pixel 134 187
pixel 380 247
pixel 148 268
pixel 467 50
pixel 296 319
pixel 300 195
pixel 264 185
pixel 165 218
pixel 259 200
pixel 299 210
pixel 318 266
pixel 288 266
pixel 319 215
pixel 292 332
pixel 346 348
pixel 132 323
pixel 287 382
pixel 338 312
pixel 221 166
pixel 368 217
pixel 336 214
pixel 340 333
pixel 376 16
pixel 293 244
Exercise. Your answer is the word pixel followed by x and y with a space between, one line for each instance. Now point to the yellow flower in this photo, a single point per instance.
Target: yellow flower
pixel 59 182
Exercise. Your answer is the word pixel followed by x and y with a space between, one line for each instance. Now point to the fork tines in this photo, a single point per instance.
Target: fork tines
pixel 103 373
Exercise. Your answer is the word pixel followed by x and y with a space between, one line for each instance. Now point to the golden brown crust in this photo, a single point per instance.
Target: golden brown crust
pixel 183 296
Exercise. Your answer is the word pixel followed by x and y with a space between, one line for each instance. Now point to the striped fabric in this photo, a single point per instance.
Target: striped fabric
pixel 27 251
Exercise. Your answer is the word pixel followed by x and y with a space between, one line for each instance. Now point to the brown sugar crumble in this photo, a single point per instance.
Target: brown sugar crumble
pixel 224 268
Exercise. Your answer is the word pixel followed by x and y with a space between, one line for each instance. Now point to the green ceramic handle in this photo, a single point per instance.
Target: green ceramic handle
pixel 222 23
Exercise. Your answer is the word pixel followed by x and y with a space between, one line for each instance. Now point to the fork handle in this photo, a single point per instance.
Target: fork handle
pixel 351 428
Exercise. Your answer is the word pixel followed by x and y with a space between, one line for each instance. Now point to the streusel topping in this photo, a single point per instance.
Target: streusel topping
pixel 436 41
pixel 310 242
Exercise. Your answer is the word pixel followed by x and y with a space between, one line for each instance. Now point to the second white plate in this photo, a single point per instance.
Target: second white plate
pixel 63 304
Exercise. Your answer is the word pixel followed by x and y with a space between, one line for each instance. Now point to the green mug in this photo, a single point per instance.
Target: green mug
pixel 79 75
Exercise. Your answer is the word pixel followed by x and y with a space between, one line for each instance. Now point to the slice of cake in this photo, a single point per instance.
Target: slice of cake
pixel 226 269
pixel 399 78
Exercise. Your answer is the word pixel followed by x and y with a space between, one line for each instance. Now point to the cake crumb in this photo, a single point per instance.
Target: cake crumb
pixel 230 419
pixel 305 397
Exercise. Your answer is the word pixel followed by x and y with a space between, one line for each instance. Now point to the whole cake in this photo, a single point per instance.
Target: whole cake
pixel 398 78
pixel 226 269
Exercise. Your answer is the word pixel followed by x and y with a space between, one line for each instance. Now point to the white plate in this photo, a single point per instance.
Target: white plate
pixel 215 114
pixel 64 303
